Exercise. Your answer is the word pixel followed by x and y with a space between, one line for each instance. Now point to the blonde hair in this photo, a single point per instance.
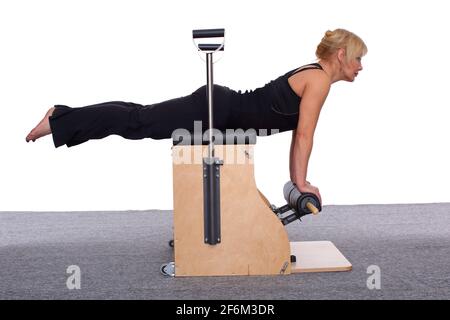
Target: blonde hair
pixel 341 38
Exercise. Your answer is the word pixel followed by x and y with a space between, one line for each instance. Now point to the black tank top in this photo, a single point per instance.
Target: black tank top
pixel 274 106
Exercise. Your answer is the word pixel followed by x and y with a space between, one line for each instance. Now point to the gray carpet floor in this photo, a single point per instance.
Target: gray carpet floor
pixel 119 255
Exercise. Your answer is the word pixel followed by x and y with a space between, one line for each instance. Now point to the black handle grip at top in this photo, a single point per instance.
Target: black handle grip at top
pixel 208 33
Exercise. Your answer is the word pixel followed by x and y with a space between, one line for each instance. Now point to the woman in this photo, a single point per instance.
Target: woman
pixel 276 106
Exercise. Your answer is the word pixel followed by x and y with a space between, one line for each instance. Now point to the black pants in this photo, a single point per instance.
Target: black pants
pixel 72 126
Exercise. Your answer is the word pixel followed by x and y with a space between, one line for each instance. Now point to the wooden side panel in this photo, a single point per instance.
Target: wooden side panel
pixel 253 240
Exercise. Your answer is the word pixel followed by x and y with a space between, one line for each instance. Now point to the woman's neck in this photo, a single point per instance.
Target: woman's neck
pixel 332 69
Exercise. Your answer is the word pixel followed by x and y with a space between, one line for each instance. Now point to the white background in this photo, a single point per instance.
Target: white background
pixel 382 139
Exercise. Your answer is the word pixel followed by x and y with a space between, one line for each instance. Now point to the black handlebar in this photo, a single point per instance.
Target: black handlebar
pixel 208 33
pixel 298 201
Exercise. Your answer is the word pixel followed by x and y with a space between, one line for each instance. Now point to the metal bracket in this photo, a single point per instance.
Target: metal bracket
pixel 211 200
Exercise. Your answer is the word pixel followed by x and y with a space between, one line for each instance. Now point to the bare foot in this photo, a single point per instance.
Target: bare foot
pixel 42 129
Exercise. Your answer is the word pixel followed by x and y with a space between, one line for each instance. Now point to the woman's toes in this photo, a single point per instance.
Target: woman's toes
pixel 31 136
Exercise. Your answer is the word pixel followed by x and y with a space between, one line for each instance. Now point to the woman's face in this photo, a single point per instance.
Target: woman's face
pixel 351 68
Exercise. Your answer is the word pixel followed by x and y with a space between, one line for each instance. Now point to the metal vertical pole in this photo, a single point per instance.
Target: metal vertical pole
pixel 210 88
pixel 212 183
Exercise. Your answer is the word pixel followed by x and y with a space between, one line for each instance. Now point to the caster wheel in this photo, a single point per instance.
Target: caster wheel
pixel 168 269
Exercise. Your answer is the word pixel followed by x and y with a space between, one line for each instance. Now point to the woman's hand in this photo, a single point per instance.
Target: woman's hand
pixel 309 188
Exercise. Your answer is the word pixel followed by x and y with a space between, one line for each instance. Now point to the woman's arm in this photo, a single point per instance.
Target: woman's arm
pixel 313 98
pixel 291 155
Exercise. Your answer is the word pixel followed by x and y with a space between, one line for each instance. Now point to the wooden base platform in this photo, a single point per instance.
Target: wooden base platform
pixel 318 256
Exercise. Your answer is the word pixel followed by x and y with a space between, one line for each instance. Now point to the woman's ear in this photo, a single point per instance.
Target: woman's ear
pixel 341 54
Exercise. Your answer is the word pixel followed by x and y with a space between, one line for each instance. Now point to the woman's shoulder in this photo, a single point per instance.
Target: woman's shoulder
pixel 309 66
pixel 311 75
